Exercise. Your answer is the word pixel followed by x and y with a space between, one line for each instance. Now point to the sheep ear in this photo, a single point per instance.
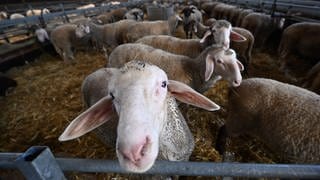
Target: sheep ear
pixel 209 67
pixel 208 33
pixel 92 118
pixel 241 67
pixel 186 94
pixel 234 36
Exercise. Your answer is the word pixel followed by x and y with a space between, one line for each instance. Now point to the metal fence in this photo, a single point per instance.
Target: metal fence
pixel 38 163
pixel 299 9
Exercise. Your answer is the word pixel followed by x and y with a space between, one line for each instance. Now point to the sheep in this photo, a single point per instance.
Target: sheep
pixel 300 40
pixel 242 40
pixel 37 12
pixel 190 13
pixel 242 14
pixel 110 35
pixel 16 16
pixel 262 26
pixel 144 122
pixel 3 15
pixel 200 73
pixel 312 79
pixel 208 8
pixel 222 32
pixel 187 47
pixel 135 14
pixel 86 6
pixel 285 117
pixel 112 16
pixel 68 36
pixel 160 27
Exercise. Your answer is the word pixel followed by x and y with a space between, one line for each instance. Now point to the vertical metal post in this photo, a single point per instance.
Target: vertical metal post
pixel 38 163
pixel 64 14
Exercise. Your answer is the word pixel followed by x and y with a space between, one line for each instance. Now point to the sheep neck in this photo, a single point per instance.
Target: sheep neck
pixel 199 65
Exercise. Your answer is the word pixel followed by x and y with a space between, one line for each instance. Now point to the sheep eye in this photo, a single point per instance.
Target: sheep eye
pixel 164 84
pixel 112 96
pixel 219 61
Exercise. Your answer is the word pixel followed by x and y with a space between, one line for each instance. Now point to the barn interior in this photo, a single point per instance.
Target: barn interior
pixel 43 93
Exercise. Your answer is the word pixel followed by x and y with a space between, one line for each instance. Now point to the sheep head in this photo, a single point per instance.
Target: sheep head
pixel 138 94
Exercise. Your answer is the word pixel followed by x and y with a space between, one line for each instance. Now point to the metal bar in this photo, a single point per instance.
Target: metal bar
pixel 38 163
pixel 186 168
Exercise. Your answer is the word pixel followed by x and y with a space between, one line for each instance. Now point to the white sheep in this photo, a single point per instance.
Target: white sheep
pixel 187 47
pixel 37 12
pixel 68 36
pixel 160 27
pixel 109 35
pixel 3 15
pixel 285 117
pixel 142 120
pixel 16 16
pixel 200 73
pixel 222 32
pixel 87 6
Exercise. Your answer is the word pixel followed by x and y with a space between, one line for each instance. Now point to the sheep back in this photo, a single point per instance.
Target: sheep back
pixel 284 116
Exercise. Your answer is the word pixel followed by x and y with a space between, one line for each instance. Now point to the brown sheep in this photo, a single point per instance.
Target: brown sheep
pixel 160 27
pixel 300 41
pixel 242 14
pixel 66 37
pixel 285 117
pixel 262 26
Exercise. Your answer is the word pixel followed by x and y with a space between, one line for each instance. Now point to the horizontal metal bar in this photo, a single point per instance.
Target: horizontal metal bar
pixel 187 168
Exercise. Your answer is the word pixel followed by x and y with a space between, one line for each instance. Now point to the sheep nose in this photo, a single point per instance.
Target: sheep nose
pixel 134 153
pixel 236 83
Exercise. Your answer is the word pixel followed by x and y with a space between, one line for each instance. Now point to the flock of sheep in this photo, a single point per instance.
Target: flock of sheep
pixel 152 63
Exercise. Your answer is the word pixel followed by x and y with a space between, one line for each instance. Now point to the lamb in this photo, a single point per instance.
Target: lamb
pixel 300 40
pixel 37 12
pixel 285 117
pixel 68 36
pixel 200 73
pixel 86 6
pixel 134 14
pixel 144 122
pixel 160 27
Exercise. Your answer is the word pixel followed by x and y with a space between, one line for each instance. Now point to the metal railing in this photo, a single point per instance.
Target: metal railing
pixel 305 10
pixel 38 163
pixel 51 16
